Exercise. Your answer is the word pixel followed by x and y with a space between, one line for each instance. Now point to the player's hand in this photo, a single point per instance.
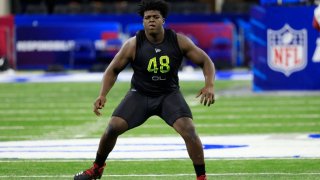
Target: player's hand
pixel 207 96
pixel 99 104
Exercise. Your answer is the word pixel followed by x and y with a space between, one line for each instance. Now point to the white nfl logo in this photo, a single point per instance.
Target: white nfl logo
pixel 287 50
pixel 157 50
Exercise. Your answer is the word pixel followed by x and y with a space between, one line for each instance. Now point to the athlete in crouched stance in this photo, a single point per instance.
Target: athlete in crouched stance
pixel 155 54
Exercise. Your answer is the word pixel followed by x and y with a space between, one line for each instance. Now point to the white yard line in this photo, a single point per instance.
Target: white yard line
pixel 232 146
pixel 139 160
pixel 97 77
pixel 165 175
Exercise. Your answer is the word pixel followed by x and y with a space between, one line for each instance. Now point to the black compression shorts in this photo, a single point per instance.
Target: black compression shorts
pixel 136 108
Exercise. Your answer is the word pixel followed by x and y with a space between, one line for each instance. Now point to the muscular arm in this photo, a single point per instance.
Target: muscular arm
pixel 119 62
pixel 199 57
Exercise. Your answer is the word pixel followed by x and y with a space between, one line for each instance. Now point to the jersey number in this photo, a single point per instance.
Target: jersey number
pixel 164 64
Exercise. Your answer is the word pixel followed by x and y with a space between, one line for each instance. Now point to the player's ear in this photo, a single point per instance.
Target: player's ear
pixel 163 21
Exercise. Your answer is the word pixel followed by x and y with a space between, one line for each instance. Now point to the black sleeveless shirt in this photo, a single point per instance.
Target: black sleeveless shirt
pixel 156 65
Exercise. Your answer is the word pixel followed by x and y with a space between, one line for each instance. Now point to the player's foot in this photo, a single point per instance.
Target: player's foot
pixel 95 172
pixel 202 177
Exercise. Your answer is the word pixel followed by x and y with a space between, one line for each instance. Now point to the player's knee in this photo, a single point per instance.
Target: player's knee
pixel 190 133
pixel 186 130
pixel 115 128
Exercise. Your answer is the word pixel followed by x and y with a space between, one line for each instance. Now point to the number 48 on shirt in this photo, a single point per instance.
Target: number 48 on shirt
pixel 164 64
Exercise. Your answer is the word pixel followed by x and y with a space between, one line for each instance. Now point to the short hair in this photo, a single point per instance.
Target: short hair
pixel 159 5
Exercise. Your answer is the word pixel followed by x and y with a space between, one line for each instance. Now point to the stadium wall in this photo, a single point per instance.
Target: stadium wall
pixel 36 34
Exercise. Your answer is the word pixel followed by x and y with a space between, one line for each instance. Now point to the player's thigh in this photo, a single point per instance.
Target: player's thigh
pixel 174 106
pixel 133 109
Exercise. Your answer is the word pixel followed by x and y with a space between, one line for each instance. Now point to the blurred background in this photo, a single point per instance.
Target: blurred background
pixel 272 39
pixel 267 111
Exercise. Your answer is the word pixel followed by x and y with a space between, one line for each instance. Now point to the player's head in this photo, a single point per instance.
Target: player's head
pixel 153 12
pixel 157 5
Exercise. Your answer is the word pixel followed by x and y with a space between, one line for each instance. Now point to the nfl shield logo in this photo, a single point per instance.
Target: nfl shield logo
pixel 287 50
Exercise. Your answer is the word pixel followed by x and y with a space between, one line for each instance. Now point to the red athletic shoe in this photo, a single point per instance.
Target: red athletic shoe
pixel 95 172
pixel 202 177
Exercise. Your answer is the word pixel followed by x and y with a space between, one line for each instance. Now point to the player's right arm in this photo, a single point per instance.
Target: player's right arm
pixel 119 62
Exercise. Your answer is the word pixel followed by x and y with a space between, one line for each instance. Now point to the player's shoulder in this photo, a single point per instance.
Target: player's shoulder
pixel 128 48
pixel 130 43
pixel 181 36
pixel 184 41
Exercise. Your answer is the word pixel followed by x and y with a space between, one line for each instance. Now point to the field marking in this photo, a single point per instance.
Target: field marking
pixel 125 76
pixel 144 160
pixel 301 124
pixel 165 175
pixel 12 127
pixel 262 116
pixel 81 118
pixel 231 146
pixel 160 126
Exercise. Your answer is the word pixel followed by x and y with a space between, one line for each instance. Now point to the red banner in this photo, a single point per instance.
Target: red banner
pixel 7 47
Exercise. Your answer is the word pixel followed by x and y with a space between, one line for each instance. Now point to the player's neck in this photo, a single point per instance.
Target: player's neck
pixel 156 38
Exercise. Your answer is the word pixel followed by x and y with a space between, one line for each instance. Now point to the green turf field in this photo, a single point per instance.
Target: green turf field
pixel 32 111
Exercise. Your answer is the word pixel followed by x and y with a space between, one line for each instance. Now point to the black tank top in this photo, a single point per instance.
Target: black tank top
pixel 156 65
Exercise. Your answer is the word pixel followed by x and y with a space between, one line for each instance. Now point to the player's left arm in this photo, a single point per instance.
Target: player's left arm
pixel 199 57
